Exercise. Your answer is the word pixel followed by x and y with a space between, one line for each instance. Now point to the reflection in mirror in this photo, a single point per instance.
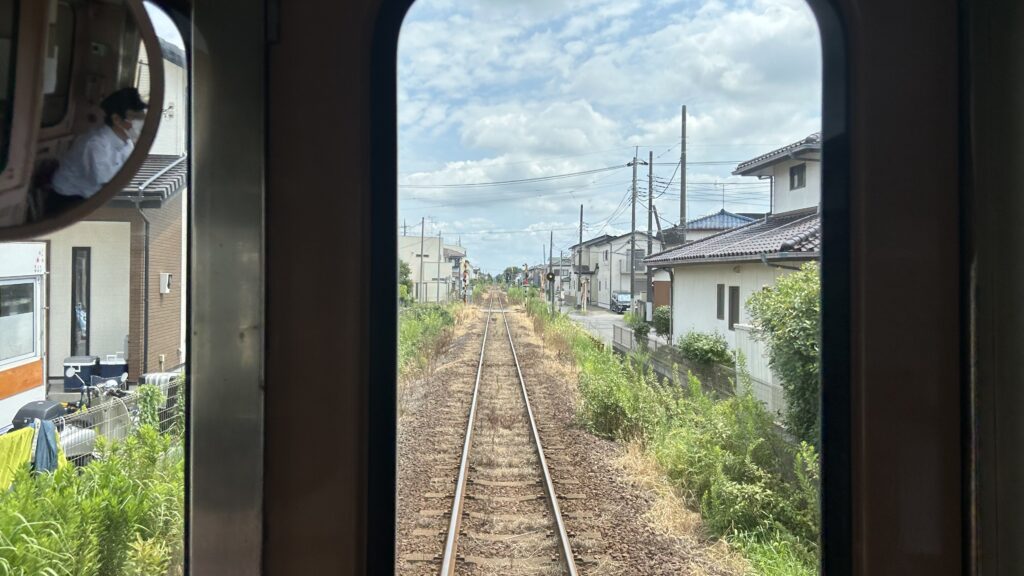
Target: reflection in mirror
pixel 75 128
pixel 7 12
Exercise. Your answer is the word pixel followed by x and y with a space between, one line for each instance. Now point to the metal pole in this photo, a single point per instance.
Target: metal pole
pixel 682 181
pixel 632 243
pixel 551 283
pixel 579 272
pixel 437 276
pixel 420 287
pixel 650 220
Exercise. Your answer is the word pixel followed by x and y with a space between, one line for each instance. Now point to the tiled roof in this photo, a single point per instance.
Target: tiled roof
pixel 811 143
pixel 159 179
pixel 721 220
pixel 797 232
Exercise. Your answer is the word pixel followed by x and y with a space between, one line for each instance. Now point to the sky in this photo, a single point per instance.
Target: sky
pixel 163 25
pixel 501 90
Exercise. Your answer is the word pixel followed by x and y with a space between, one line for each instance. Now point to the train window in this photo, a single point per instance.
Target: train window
pixel 8 18
pixel 550 422
pixel 18 321
pixel 60 44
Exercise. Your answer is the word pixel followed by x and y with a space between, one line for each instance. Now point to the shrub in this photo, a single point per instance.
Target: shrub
pixel 787 318
pixel 663 320
pixel 705 348
pixel 422 335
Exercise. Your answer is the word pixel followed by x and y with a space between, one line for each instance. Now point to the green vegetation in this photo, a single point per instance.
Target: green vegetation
pixel 122 515
pixel 641 329
pixel 788 319
pixel 663 320
pixel 423 334
pixel 705 348
pixel 753 487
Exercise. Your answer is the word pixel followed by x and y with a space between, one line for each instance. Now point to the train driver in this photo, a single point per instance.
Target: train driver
pixel 97 155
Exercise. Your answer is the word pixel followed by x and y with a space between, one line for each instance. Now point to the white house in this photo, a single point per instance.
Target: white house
pixel 607 262
pixel 436 272
pixel 712 278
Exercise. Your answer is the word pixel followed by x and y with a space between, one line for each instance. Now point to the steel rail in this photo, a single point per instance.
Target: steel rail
pixel 452 541
pixel 565 548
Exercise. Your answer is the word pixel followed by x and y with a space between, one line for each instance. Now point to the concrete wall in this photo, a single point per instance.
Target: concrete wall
pixel 695 293
pixel 786 199
pixel 109 289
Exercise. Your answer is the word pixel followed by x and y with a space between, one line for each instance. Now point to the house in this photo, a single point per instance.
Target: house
pixel 704 226
pixel 712 278
pixel 607 266
pixel 115 280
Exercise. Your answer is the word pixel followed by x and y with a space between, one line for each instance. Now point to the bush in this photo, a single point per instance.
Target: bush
pixel 752 486
pixel 663 320
pixel 787 318
pixel 422 335
pixel 705 348
pixel 121 515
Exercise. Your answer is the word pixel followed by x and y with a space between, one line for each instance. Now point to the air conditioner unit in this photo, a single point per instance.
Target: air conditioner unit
pixel 165 282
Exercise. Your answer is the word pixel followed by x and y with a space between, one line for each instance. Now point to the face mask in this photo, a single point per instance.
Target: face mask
pixel 136 130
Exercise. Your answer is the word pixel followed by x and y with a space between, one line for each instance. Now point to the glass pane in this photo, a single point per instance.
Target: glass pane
pixel 556 126
pixel 60 48
pixel 80 287
pixel 8 39
pixel 17 320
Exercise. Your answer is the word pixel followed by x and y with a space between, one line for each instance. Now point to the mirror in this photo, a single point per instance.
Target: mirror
pixel 81 98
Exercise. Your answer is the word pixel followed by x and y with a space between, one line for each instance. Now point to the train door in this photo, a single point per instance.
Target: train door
pixel 22 326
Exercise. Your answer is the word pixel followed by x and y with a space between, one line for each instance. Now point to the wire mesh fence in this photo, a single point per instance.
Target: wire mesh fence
pixel 114 418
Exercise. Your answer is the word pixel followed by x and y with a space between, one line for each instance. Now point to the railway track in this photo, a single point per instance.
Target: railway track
pixel 505 518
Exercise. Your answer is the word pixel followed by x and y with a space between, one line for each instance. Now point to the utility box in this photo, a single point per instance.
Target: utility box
pixel 86 368
pixel 165 282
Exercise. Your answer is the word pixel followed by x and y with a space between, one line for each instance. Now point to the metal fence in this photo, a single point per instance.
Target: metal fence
pixel 115 418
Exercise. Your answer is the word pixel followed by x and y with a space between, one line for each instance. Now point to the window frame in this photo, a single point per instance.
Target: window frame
pixel 734 307
pixel 7 126
pixel 720 301
pixel 70 71
pixel 36 320
pixel 798 173
pixel 87 250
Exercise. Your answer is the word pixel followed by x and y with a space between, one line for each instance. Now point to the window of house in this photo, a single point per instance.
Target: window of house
pixel 734 306
pixel 605 255
pixel 81 269
pixel 17 320
pixel 59 47
pixel 638 260
pixel 797 176
pixel 8 39
pixel 721 302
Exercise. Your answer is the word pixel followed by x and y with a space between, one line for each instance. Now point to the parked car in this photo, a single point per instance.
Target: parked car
pixel 620 302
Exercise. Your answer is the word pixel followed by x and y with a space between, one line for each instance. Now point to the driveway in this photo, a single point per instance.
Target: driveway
pixel 598 322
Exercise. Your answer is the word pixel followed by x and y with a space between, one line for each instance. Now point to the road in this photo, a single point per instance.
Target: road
pixel 598 322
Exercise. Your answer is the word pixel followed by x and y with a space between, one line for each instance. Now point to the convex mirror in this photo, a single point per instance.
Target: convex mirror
pixel 81 94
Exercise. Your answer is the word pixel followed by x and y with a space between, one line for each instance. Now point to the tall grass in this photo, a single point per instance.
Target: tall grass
pixel 123 514
pixel 751 485
pixel 423 333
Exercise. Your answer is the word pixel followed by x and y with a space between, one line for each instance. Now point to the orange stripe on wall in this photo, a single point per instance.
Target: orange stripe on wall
pixel 21 378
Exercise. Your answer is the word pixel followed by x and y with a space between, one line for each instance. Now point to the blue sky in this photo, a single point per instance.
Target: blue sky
pixel 498 90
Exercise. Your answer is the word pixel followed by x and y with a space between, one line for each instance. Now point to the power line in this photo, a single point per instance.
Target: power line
pixel 519 181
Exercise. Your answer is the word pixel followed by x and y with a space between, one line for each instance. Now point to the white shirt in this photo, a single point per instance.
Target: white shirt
pixel 93 159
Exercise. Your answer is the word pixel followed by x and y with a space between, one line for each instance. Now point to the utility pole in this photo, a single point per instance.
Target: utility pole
pixel 551 283
pixel 440 254
pixel 579 270
pixel 423 222
pixel 632 239
pixel 405 228
pixel 650 221
pixel 682 180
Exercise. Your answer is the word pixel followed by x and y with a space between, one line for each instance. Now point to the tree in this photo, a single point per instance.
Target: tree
pixel 404 282
pixel 788 320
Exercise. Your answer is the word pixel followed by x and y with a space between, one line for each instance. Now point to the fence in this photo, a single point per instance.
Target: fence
pixel 763 381
pixel 668 363
pixel 115 418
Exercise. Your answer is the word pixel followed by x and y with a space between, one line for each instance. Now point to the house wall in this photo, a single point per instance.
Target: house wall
pixel 110 244
pixel 786 199
pixel 613 275
pixel 166 229
pixel 428 289
pixel 695 295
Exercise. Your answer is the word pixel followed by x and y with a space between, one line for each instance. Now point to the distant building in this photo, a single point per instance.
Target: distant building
pixel 703 227
pixel 607 265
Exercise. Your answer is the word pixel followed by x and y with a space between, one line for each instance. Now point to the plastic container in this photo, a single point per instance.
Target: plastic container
pixel 86 367
pixel 113 366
